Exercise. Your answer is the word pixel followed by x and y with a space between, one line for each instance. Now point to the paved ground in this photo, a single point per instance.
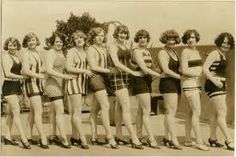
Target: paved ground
pixel 125 150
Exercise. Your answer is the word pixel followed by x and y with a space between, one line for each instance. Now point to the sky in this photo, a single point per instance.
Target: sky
pixel 209 18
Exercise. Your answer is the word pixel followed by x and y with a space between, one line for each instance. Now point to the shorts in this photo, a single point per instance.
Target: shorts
pixel 120 81
pixel 212 90
pixel 141 85
pixel 11 88
pixel 97 83
pixel 170 85
pixel 33 87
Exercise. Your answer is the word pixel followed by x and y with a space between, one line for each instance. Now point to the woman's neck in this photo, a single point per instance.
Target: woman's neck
pixel 79 48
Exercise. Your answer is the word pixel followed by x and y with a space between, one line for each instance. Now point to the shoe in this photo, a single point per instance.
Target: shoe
pixel 74 141
pixel 118 140
pixel 152 146
pixel 9 142
pixel 229 145
pixel 32 142
pixel 202 146
pixel 143 140
pixel 26 145
pixel 84 146
pixel 215 142
pixel 166 141
pixel 44 146
pixel 96 141
pixel 174 146
pixel 189 143
pixel 113 145
pixel 54 139
pixel 136 146
pixel 63 145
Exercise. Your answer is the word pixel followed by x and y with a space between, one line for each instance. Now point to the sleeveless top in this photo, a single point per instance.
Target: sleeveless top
pixel 146 57
pixel 173 64
pixel 15 69
pixel 102 57
pixel 218 68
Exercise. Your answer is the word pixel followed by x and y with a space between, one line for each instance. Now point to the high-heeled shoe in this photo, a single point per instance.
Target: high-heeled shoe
pixel 149 143
pixel 32 142
pixel 118 140
pixel 44 146
pixel 165 141
pixel 9 142
pixel 174 146
pixel 229 145
pixel 74 141
pixel 112 145
pixel 143 140
pixel 96 141
pixel 54 139
pixel 63 145
pixel 215 143
pixel 136 146
pixel 26 145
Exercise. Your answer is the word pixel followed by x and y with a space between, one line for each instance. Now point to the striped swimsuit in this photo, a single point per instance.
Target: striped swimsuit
pixel 218 68
pixel 77 85
pixel 34 86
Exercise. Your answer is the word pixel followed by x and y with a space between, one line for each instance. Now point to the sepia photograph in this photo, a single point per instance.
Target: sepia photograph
pixel 117 78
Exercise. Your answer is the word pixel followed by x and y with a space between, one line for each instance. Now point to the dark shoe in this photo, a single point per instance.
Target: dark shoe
pixel 174 146
pixel 26 145
pixel 136 146
pixel 215 143
pixel 96 141
pixel 44 146
pixel 9 142
pixel 32 142
pixel 152 146
pixel 112 145
pixel 144 141
pixel 118 140
pixel 54 139
pixel 63 145
pixel 166 141
pixel 229 145
pixel 74 141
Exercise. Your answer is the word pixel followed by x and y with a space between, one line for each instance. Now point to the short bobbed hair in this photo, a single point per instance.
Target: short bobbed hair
pixel 93 33
pixel 51 40
pixel 187 34
pixel 169 34
pixel 80 34
pixel 142 33
pixel 12 40
pixel 220 39
pixel 28 37
pixel 121 29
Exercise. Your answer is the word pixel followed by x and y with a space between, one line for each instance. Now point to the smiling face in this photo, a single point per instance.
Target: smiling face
pixel 225 46
pixel 99 38
pixel 12 47
pixel 170 41
pixel 142 41
pixel 58 44
pixel 192 40
pixel 32 43
pixel 79 40
pixel 122 36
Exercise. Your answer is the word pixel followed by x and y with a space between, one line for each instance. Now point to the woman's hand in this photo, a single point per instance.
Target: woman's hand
pixel 138 73
pixel 218 81
pixel 89 73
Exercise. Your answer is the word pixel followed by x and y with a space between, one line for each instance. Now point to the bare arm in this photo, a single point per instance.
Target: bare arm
pixel 163 58
pixel 140 61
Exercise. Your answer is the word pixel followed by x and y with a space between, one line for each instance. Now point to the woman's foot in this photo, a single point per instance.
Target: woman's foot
pixel 32 142
pixel 189 143
pixel 26 145
pixel 174 145
pixel 44 146
pixel 65 144
pixel 143 140
pixel 202 146
pixel 152 144
pixel 112 143
pixel 74 141
pixel 120 140
pixel 214 143
pixel 54 139
pixel 9 142
pixel 97 141
pixel 165 141
pixel 229 145
pixel 136 145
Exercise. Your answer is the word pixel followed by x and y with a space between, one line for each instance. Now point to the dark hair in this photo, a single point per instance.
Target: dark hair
pixel 187 34
pixel 28 37
pixel 121 29
pixel 169 34
pixel 142 33
pixel 93 33
pixel 12 40
pixel 50 41
pixel 221 37
pixel 77 33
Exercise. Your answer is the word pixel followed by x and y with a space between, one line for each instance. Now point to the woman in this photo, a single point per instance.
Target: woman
pixel 120 56
pixel 54 85
pixel 142 58
pixel 191 68
pixel 76 88
pixel 97 60
pixel 32 67
pixel 215 70
pixel 170 84
pixel 11 88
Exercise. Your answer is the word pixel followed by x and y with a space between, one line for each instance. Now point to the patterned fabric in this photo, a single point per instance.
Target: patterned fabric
pixel 146 57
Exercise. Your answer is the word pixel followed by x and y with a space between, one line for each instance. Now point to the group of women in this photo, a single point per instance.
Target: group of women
pixel 100 60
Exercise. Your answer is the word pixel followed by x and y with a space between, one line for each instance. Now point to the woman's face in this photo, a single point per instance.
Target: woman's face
pixel 225 46
pixel 12 47
pixel 122 36
pixel 192 40
pixel 99 38
pixel 32 43
pixel 79 40
pixel 171 41
pixel 143 41
pixel 58 44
